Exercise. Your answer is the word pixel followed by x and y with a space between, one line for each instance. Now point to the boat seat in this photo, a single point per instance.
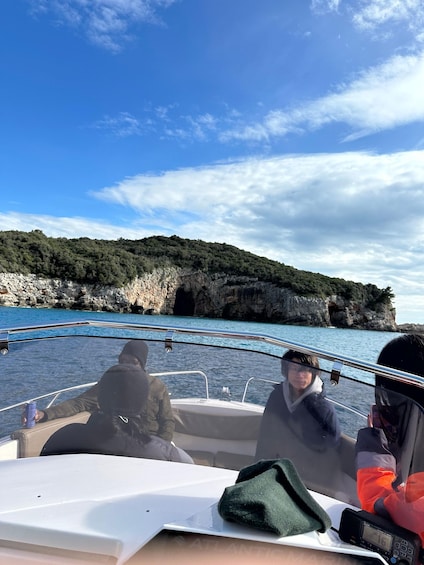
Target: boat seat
pixel 347 455
pixel 216 438
pixel 236 461
pixel 31 440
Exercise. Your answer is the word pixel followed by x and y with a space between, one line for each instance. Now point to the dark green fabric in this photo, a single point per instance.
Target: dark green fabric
pixel 271 496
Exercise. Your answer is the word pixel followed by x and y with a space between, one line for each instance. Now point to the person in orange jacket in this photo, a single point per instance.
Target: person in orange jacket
pixel 390 452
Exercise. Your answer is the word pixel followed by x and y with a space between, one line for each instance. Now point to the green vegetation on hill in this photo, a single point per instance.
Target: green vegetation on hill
pixel 116 263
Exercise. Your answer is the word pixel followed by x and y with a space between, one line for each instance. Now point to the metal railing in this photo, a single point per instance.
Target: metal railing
pixel 55 395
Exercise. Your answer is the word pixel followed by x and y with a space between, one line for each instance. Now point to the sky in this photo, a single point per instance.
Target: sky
pixel 291 129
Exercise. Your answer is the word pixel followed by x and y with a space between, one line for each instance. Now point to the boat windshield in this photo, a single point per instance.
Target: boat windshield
pixel 231 405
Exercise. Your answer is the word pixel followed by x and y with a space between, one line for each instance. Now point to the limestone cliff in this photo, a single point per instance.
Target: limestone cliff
pixel 173 291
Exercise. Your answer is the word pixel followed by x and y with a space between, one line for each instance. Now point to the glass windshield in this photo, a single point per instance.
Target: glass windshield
pixel 230 407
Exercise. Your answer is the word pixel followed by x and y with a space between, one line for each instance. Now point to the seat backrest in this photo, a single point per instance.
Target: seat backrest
pixel 219 438
pixel 346 452
pixel 207 425
pixel 32 440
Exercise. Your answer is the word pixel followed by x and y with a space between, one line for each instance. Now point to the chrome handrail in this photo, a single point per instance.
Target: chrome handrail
pixel 246 386
pixel 172 331
pixel 57 393
pixel 335 402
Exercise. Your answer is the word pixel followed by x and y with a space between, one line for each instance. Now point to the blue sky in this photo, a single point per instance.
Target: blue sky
pixel 292 129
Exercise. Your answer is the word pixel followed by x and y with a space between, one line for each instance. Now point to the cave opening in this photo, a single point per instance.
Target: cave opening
pixel 184 303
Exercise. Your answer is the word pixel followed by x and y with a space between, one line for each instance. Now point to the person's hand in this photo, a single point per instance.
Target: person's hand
pixel 39 415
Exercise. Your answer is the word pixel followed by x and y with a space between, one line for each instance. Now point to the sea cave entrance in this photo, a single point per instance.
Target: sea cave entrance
pixel 184 303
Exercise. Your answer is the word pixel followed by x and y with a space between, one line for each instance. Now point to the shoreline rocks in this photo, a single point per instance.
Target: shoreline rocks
pixel 173 291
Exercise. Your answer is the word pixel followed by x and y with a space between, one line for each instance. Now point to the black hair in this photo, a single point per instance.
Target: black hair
pixel 405 353
pixel 402 404
pixel 303 358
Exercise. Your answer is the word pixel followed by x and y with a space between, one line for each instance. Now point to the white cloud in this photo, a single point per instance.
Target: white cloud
pixel 106 23
pixel 378 16
pixel 324 6
pixel 338 214
pixel 122 125
pixel 373 101
pixel 54 226
pixel 376 13
pixel 381 98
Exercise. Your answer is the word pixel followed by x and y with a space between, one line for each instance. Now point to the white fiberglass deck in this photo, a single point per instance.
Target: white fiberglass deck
pixel 108 507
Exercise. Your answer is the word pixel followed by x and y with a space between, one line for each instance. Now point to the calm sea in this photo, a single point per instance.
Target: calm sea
pixel 360 344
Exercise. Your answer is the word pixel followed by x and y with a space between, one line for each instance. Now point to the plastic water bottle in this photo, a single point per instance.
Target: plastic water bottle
pixel 30 412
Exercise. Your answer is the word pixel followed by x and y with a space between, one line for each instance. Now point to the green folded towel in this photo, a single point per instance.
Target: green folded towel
pixel 271 496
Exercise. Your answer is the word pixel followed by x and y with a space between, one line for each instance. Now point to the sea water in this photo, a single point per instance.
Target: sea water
pixel 358 344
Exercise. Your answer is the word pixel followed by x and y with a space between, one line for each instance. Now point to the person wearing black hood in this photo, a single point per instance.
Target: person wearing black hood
pixel 389 452
pixel 117 427
pixel 157 413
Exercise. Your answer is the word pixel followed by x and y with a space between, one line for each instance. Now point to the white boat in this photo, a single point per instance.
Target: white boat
pixel 91 508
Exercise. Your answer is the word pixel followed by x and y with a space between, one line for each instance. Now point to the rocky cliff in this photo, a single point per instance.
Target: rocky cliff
pixel 174 291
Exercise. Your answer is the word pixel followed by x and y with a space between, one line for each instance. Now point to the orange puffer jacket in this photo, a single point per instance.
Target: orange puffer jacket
pixel 376 482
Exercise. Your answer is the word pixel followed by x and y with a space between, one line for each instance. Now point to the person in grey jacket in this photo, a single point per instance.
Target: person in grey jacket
pixel 157 413
pixel 117 427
